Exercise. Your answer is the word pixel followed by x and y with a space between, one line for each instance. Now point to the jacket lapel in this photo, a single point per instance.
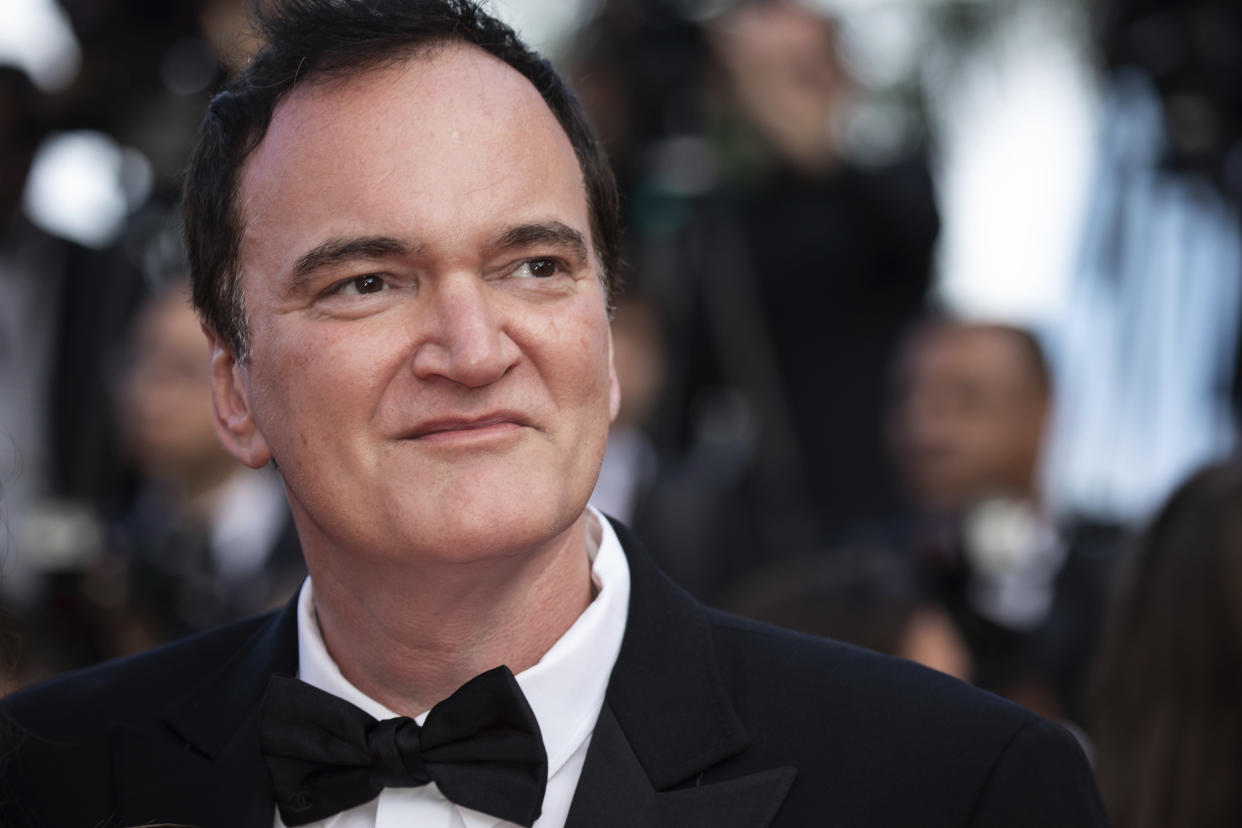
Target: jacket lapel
pixel 200 764
pixel 667 719
pixel 615 792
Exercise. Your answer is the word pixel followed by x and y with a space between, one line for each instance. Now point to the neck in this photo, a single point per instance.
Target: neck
pixel 410 638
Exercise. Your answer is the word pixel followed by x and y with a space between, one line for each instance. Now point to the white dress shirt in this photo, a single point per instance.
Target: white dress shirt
pixel 565 690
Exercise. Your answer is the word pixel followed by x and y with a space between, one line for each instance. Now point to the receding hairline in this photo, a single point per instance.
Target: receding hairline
pixel 331 70
pixel 336 79
pixel 304 48
pixel 338 74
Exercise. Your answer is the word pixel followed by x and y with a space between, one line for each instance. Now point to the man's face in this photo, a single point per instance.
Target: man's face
pixel 167 430
pixel 431 364
pixel 970 420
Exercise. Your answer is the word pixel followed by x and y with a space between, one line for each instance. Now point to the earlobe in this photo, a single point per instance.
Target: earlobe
pixel 230 404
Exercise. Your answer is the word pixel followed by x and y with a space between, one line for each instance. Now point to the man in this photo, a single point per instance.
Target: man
pixel 1027 588
pixel 973 402
pixel 402 272
pixel 204 540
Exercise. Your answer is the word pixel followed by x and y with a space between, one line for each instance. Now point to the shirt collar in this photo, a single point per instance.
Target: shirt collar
pixel 565 688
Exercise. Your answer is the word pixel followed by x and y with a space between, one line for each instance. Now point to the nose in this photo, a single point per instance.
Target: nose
pixel 461 334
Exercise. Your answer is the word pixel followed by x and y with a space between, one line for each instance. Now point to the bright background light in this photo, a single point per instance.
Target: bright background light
pixel 35 35
pixel 82 186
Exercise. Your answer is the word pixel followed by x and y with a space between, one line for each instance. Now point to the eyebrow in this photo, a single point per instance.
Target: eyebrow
pixel 335 251
pixel 544 232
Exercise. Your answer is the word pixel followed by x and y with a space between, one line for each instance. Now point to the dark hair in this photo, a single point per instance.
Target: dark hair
pixel 865 596
pixel 334 38
pixel 1167 693
pixel 1030 351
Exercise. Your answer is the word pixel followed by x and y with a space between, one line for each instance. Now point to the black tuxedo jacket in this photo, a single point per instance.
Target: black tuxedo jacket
pixel 709 720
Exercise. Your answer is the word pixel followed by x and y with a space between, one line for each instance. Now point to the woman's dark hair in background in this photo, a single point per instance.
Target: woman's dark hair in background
pixel 1168 686
pixel 864 595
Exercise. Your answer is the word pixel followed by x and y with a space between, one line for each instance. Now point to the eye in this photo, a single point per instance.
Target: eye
pixel 538 268
pixel 361 285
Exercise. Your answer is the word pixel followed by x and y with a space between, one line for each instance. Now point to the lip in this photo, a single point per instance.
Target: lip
pixel 447 428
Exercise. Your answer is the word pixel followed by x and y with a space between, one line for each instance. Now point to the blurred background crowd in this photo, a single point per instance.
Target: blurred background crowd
pixel 929 342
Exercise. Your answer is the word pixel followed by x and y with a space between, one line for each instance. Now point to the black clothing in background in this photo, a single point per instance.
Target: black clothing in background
pixel 785 298
pixel 1055 656
pixel 842 264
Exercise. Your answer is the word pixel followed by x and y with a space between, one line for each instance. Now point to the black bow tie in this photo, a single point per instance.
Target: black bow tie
pixel 481 746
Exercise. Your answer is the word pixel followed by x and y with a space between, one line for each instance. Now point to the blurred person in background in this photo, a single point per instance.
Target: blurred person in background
pixel 971 410
pixel 631 461
pixel 1167 718
pixel 674 497
pixel 1146 350
pixel 640 69
pixel 1188 53
pixel 784 269
pixel 147 71
pixel 866 596
pixel 201 539
pixel 23 290
pixel 27 292
pixel 206 540
pixel 837 252
pixel 38 272
pixel 67 302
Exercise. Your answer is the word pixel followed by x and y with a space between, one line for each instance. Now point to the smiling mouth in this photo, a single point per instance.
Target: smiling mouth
pixel 453 428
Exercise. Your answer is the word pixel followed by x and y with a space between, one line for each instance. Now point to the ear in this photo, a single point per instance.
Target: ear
pixel 230 405
pixel 614 387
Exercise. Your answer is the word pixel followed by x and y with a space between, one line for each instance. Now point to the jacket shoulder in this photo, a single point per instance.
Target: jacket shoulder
pixel 831 670
pixel 853 720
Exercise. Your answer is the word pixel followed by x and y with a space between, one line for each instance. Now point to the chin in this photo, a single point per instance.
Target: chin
pixel 495 530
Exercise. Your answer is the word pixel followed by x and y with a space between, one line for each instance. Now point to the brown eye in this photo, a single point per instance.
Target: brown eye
pixel 543 267
pixel 361 285
pixel 539 268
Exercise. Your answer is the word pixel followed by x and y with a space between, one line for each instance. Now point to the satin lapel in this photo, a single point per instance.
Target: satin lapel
pixel 616 793
pixel 200 763
pixel 666 694
pixel 667 718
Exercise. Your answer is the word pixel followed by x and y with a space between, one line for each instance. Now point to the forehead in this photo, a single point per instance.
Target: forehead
pixel 982 355
pixel 168 316
pixel 449 137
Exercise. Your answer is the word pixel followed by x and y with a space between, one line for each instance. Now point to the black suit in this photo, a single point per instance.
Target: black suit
pixel 709 720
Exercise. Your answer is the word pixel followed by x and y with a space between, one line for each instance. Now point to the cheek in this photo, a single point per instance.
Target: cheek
pixel 568 347
pixel 589 365
pixel 320 382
